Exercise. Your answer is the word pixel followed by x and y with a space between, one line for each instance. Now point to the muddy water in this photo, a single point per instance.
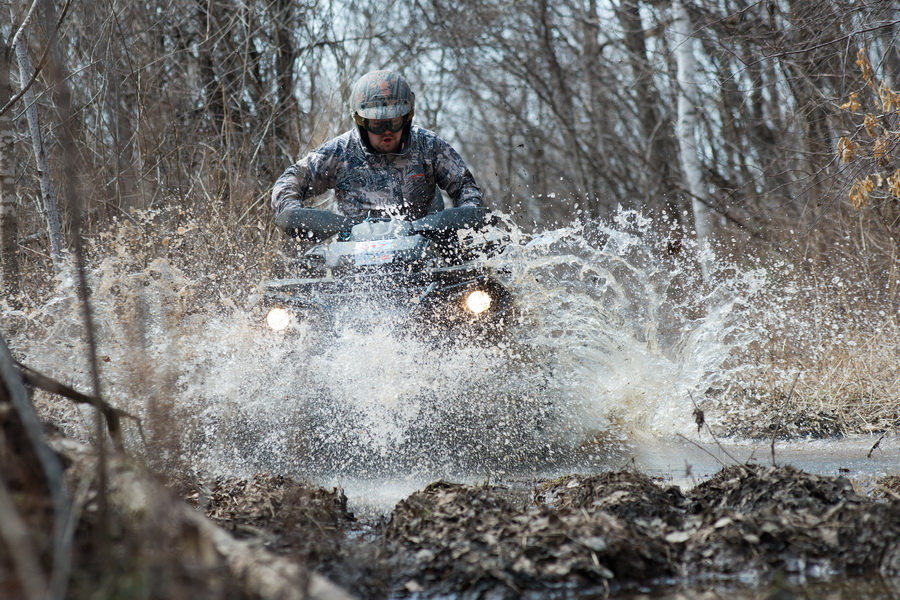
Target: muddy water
pixel 612 341
pixel 681 462
pixel 686 464
pixel 859 588
pixel 614 348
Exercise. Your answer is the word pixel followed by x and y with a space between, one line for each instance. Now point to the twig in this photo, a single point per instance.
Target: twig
pixel 690 441
pixel 20 30
pixel 781 425
pixel 772 444
pixel 70 184
pixel 713 436
pixel 875 445
pixel 784 53
pixel 41 63
pixel 113 415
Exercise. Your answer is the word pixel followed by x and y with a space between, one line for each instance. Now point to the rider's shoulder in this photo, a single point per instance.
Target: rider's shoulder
pixel 422 133
pixel 339 145
pixel 427 138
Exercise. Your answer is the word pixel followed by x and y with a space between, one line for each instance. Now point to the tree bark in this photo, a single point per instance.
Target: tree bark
pixel 9 217
pixel 49 204
pixel 687 119
pixel 657 180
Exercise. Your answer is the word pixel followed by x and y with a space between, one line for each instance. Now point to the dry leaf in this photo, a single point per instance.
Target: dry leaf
pixel 865 67
pixel 890 100
pixel 859 192
pixel 894 183
pixel 847 149
pixel 852 103
pixel 881 151
pixel 871 124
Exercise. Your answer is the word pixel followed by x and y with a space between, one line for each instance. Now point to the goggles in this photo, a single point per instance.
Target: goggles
pixel 381 126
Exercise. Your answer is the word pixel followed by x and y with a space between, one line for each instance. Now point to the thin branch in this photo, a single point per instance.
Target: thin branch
pixel 875 445
pixel 700 447
pixel 113 415
pixel 713 436
pixel 781 426
pixel 25 21
pixel 43 61
pixel 63 101
pixel 829 42
pixel 18 95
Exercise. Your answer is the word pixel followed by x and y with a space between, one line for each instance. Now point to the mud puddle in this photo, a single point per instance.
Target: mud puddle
pixel 854 588
pixel 681 462
pixel 748 530
pixel 684 462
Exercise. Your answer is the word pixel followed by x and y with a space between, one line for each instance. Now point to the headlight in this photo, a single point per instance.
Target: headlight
pixel 477 302
pixel 278 319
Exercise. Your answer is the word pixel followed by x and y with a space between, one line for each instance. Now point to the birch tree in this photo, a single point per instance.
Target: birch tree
pixel 49 205
pixel 686 127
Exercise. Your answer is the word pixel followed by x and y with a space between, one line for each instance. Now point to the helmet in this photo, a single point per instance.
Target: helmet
pixel 381 95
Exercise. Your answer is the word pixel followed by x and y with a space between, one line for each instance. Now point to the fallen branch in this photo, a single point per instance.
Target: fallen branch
pixel 113 415
pixel 145 505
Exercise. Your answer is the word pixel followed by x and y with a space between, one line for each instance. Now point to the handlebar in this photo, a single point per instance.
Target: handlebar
pixel 318 225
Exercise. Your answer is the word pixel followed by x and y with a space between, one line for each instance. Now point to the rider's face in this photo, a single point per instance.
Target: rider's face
pixel 389 141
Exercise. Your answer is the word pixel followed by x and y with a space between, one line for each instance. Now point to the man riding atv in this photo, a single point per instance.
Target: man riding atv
pixel 385 166
pixel 395 247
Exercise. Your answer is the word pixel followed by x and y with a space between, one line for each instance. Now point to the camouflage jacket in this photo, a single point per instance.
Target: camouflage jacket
pixel 403 183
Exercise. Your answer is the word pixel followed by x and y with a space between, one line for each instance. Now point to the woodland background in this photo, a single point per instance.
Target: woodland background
pixel 149 133
pixel 772 124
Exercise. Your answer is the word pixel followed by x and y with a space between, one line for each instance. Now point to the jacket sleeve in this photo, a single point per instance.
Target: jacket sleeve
pixel 314 174
pixel 452 175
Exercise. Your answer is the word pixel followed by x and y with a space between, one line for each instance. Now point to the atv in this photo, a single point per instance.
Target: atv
pixel 429 272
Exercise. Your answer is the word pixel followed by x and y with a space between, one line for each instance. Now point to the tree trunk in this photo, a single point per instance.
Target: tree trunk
pixel 285 107
pixel 687 120
pixel 9 217
pixel 49 204
pixel 657 180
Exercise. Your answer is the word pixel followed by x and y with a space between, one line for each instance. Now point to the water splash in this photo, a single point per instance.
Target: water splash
pixel 615 340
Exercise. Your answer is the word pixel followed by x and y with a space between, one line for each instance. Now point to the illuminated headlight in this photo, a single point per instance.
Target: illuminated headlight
pixel 278 319
pixel 477 302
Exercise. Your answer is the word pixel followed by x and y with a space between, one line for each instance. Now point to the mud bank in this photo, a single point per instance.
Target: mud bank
pixel 600 534
pixel 614 534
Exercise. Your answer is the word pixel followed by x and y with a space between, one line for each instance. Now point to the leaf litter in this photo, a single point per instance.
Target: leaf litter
pixel 577 534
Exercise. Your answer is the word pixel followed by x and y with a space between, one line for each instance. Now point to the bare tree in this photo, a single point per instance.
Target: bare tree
pixel 657 144
pixel 49 204
pixel 688 103
pixel 9 210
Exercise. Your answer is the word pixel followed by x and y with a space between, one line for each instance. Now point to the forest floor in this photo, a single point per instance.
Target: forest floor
pixel 601 534
pixel 140 535
pixel 587 534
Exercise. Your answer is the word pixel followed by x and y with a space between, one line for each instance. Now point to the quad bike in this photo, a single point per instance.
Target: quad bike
pixel 425 273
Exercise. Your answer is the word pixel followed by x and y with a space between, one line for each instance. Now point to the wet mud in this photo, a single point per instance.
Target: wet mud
pixel 611 533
